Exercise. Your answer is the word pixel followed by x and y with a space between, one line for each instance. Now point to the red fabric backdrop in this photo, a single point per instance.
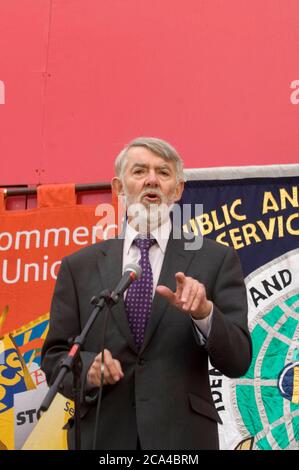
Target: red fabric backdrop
pixel 217 78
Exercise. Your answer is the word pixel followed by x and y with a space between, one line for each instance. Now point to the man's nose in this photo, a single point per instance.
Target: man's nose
pixel 151 179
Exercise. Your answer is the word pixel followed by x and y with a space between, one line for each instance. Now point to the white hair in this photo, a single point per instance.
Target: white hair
pixel 157 146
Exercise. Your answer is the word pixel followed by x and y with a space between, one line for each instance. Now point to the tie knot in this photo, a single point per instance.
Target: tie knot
pixel 144 244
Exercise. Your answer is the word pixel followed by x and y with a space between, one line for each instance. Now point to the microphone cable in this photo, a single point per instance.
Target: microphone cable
pixel 107 313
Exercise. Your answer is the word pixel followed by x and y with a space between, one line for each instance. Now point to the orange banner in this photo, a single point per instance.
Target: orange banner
pixel 32 244
pixel 2 200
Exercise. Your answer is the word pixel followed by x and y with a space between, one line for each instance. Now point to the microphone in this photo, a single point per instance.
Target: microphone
pixel 132 272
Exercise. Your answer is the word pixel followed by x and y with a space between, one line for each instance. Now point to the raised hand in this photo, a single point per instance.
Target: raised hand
pixel 190 296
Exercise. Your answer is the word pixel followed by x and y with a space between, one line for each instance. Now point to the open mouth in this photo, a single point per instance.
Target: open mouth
pixel 152 197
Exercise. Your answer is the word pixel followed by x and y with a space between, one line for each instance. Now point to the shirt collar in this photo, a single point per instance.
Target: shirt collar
pixel 161 234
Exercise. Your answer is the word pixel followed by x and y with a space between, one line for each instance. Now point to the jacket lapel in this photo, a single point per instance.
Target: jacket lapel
pixel 110 267
pixel 176 259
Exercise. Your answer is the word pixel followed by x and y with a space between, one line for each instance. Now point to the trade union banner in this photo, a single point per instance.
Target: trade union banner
pixel 255 210
pixel 32 243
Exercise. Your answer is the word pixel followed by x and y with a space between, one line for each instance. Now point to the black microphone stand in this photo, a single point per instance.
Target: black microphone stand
pixel 72 362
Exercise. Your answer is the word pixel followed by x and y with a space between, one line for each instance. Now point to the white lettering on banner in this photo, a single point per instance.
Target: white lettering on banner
pixel 27 238
pixel 295 94
pixel 6 240
pixel 28 271
pixel 12 272
pixel 2 92
pixel 56 232
pixel 53 269
pixel 80 232
pixel 62 236
pixel 35 271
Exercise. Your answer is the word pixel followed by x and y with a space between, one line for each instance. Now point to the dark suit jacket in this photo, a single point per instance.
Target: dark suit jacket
pixel 165 395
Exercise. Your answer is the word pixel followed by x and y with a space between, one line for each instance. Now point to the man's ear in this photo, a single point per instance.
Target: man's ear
pixel 179 190
pixel 116 185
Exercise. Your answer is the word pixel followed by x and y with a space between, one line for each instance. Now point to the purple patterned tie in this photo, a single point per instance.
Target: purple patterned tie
pixel 138 300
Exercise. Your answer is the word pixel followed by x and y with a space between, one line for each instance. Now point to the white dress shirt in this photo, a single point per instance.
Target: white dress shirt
pixel 131 254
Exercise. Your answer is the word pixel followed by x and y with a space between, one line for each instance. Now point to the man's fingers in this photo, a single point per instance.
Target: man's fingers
pixel 119 368
pixel 196 301
pixel 112 369
pixel 188 294
pixel 180 277
pixel 180 281
pixel 174 297
pixel 166 292
pixel 107 356
pixel 115 370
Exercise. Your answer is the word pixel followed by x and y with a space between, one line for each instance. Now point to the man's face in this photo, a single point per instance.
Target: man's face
pixel 148 179
pixel 150 186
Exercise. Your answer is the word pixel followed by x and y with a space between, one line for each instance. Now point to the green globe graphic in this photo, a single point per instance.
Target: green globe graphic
pixel 266 415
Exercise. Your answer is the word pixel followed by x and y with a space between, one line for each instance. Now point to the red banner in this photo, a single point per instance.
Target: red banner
pixel 32 243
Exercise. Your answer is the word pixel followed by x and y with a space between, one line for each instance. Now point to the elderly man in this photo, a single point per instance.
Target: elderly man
pixel 188 306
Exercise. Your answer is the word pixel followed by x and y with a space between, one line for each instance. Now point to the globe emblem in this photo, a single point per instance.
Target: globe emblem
pixel 288 382
pixel 267 397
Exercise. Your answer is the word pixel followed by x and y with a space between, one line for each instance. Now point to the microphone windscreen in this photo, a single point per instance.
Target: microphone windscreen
pixel 136 268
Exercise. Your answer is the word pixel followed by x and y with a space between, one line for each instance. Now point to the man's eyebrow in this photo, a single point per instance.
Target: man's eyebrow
pixel 144 165
pixel 164 165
